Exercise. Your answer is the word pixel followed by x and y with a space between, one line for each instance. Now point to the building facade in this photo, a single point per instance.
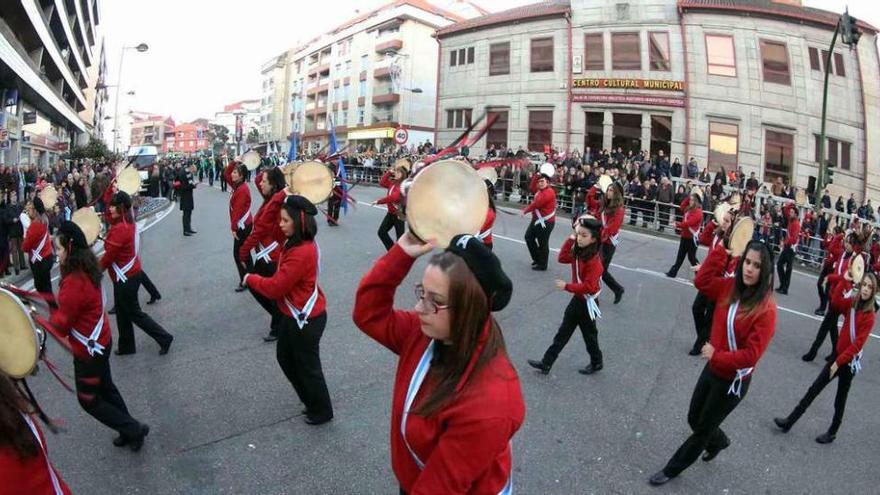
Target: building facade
pixel 188 138
pixel 51 59
pixel 151 130
pixel 274 104
pixel 730 83
pixel 249 112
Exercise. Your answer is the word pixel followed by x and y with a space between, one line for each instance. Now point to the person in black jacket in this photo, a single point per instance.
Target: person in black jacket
pixel 185 183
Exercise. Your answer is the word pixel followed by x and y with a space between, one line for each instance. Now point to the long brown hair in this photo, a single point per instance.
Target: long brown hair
pixel 616 200
pixel 14 432
pixel 756 297
pixel 865 304
pixel 468 312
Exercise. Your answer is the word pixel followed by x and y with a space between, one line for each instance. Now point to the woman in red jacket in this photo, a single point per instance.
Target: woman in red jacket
pixel 742 327
pixel 543 210
pixel 24 460
pixel 858 320
pixel 122 260
pixel 294 288
pixel 457 400
pixel 786 257
pixel 702 308
pixel 612 219
pixel 260 251
pixel 38 247
pixel 240 218
pixel 690 233
pixel 485 234
pixel 581 251
pixel 82 321
pixel 393 201
pixel 833 246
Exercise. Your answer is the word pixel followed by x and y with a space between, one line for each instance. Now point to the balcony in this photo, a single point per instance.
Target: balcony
pixel 382 73
pixel 320 68
pixel 389 46
pixel 317 89
pixel 386 99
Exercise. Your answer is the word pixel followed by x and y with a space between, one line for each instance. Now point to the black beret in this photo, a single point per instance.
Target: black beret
pixel 72 231
pixel 592 224
pixel 39 206
pixel 121 198
pixel 301 203
pixel 486 268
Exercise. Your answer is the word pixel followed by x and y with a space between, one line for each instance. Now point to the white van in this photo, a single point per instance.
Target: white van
pixel 142 158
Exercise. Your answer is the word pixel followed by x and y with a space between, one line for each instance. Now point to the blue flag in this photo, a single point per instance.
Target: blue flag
pixel 340 166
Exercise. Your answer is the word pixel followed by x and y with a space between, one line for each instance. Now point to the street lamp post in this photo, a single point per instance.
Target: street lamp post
pixel 142 47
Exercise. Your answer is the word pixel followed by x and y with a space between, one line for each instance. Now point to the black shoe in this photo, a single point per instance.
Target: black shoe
pixel 318 420
pixel 112 311
pixel 695 350
pixel 829 358
pixel 783 424
pixel 534 263
pixel 120 440
pixel 135 444
pixel 670 274
pixel 164 349
pixel 618 296
pixel 825 438
pixel 808 357
pixel 539 268
pixel 540 366
pixel 711 454
pixel 154 299
pixel 193 232
pixel 782 291
pixel 592 368
pixel 820 311
pixel 123 353
pixel 270 338
pixel 186 234
pixel 240 288
pixel 659 478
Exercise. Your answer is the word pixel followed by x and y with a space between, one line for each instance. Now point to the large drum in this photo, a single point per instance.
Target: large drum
pixel 129 181
pixel 741 235
pixel 251 160
pixel 89 222
pixel 313 181
pixel 20 341
pixel 446 199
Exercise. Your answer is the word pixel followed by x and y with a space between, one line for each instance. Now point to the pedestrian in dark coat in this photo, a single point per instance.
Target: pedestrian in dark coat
pixel 185 184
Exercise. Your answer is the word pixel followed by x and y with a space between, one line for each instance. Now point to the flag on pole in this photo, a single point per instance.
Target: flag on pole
pixel 291 153
pixel 340 165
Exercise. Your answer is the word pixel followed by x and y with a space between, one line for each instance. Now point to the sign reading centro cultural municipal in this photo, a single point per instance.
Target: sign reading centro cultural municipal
pixel 656 84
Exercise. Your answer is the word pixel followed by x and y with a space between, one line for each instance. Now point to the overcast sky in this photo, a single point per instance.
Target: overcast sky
pixel 207 53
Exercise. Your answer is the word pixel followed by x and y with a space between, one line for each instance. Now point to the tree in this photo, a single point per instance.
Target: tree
pixel 95 150
pixel 253 137
pixel 218 135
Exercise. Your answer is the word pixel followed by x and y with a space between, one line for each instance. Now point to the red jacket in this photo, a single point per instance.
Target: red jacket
pixel 707 235
pixel 392 197
pixel 833 245
pixel 486 229
pixel 119 248
pixel 36 232
pixel 30 475
pixel 240 216
pixel 544 203
pixel 794 232
pixel 80 306
pixel 593 203
pixel 585 274
pixel 691 223
pixel 294 281
pixel 847 349
pixel 752 331
pixel 466 444
pixel 266 229
pixel 611 223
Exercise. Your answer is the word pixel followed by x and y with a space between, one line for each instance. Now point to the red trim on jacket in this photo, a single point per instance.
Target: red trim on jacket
pixel 35 232
pixel 295 279
pixel 80 306
pixel 266 228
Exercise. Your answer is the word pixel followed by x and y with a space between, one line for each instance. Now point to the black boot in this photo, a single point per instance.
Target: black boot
pixel 540 366
pixel 784 424
pixel 826 437
pixel 590 369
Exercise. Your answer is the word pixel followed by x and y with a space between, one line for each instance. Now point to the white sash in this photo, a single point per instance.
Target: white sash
pixel 541 220
pixel 91 342
pixel 123 271
pixel 615 239
pixel 592 305
pixel 35 254
pixel 301 315
pixel 414 384
pixel 484 234
pixel 55 484
pixel 262 252
pixel 736 386
pixel 856 364
pixel 242 220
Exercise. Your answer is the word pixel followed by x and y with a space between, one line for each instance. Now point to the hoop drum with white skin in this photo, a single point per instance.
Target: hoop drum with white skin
pixel 87 219
pixel 288 171
pixel 547 169
pixel 605 182
pixel 741 235
pixel 857 268
pixel 49 196
pixel 129 181
pixel 721 210
pixel 313 181
pixel 19 340
pixel 251 160
pixel 446 199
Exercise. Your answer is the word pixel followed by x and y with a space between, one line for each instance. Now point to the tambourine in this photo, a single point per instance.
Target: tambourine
pixel 740 236
pixel 604 182
pixel 446 199
pixel 129 181
pixel 313 181
pixel 800 197
pixel 547 169
pixel 857 268
pixel 49 196
pixel 88 220
pixel 251 160
pixel 20 340
pixel 720 211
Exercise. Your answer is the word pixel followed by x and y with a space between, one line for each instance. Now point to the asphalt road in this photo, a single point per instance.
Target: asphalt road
pixel 225 420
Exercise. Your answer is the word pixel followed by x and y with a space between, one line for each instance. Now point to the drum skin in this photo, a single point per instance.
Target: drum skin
pixel 19 345
pixel 446 199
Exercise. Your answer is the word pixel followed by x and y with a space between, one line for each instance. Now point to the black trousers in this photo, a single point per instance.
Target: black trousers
pixel 845 375
pixel 298 354
pixel 99 397
pixel 333 206
pixel 538 241
pixel 828 327
pixel 784 266
pixel 607 251
pixel 710 405
pixel 702 310
pixel 820 286
pixel 187 221
pixel 390 221
pixel 42 271
pixel 223 184
pixel 686 247
pixel 664 215
pixel 236 245
pixel 149 286
pixel 129 313
pixel 267 270
pixel 575 316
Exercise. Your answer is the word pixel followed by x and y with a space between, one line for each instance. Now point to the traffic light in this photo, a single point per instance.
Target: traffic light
pixel 829 172
pixel 849 29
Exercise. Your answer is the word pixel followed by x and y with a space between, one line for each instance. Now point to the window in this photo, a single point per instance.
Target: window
pixel 344 119
pixel 720 57
pixel 838 152
pixel 814 59
pixel 461 56
pixel 778 155
pixel 540 129
pixel 625 51
pixel 659 51
pixel 661 134
pixel 497 134
pixel 774 58
pixel 845 155
pixel 361 115
pixel 838 65
pixel 626 132
pixel 458 119
pixel 348 66
pixel 470 55
pixel 362 88
pixel 594 51
pixel 595 131
pixel 833 152
pixel 723 146
pixel 365 62
pixel 542 55
pixel 453 58
pixel 499 59
pixel 345 92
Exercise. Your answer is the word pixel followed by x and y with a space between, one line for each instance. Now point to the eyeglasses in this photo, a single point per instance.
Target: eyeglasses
pixel 428 306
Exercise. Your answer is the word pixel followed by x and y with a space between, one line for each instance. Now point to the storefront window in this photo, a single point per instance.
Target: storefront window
pixel 594 51
pixel 595 131
pixel 778 155
pixel 627 132
pixel 720 55
pixel 723 146
pixel 499 59
pixel 774 58
pixel 540 130
pixel 661 134
pixel 542 55
pixel 659 52
pixel 497 135
pixel 626 51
